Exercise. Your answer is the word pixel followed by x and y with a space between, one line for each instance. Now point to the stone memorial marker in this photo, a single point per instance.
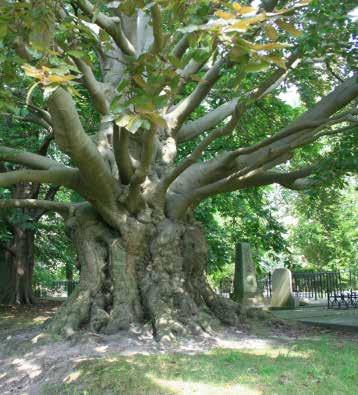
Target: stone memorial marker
pixel 245 284
pixel 282 295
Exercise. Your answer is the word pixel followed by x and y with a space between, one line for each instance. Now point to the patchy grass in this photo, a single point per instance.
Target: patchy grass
pixel 14 318
pixel 301 367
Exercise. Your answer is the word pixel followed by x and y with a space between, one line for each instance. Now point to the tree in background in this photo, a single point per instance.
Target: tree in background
pixel 326 231
pixel 149 69
pixel 19 226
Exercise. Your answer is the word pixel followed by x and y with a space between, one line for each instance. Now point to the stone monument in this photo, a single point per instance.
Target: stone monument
pixel 245 284
pixel 282 295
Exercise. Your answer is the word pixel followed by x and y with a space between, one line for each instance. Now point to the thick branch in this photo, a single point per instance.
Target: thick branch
pixel 121 154
pixel 190 103
pixel 65 209
pixel 313 118
pixel 72 139
pixel 181 46
pixel 236 169
pixel 94 87
pixel 33 161
pixel 134 200
pixel 111 25
pixel 195 155
pixel 210 120
pixel 157 28
pixel 58 176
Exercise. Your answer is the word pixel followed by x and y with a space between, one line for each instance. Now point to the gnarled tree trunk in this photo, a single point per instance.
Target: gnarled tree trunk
pixel 17 268
pixel 153 275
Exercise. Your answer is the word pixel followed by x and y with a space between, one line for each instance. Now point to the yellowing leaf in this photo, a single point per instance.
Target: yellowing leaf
pixel 243 9
pixel 243 24
pixel 255 67
pixel 139 81
pixel 156 119
pixel 32 71
pixel 288 27
pixel 271 32
pixel 123 121
pixel 224 15
pixel 240 26
pixel 261 47
pixel 46 75
pixel 280 62
pixel 270 46
pixel 237 54
pixel 58 79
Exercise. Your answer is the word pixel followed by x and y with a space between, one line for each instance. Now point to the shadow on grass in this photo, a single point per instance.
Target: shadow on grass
pixel 305 367
pixel 13 318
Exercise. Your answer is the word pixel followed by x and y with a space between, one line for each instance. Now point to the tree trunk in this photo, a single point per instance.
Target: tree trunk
pixel 17 269
pixel 153 275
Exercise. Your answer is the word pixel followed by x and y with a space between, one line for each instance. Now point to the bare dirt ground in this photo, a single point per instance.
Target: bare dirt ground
pixel 29 359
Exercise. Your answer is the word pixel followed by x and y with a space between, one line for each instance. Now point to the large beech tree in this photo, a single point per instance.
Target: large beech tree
pixel 147 68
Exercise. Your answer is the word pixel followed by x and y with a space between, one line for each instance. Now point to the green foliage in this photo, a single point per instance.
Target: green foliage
pixel 240 216
pixel 327 230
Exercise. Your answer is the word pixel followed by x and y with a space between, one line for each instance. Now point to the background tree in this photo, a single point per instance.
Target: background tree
pixel 326 230
pixel 149 69
pixel 19 226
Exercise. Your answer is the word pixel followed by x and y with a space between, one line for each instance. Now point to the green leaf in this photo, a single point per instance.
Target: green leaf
pixel 255 67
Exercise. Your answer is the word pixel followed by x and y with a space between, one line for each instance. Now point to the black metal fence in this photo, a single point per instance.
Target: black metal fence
pixel 343 300
pixel 315 285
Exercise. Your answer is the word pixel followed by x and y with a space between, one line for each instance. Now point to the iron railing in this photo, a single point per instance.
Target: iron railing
pixel 342 300
pixel 315 285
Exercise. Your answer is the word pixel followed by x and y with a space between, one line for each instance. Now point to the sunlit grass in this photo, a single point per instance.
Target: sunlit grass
pixel 302 367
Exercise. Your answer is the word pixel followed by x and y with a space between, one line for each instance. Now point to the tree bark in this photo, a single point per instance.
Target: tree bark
pixel 17 269
pixel 151 275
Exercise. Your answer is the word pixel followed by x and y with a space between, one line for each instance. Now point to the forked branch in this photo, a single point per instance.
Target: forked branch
pixel 111 25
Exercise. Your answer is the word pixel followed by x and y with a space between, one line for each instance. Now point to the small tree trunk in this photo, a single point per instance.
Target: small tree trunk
pixel 153 274
pixel 16 272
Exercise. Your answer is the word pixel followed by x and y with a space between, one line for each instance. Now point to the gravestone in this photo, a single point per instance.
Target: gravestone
pixel 245 284
pixel 282 295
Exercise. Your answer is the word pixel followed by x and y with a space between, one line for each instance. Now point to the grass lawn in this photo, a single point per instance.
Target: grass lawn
pixel 322 363
pixel 323 366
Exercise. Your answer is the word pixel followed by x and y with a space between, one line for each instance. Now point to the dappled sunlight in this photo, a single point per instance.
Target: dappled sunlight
pixel 187 387
pixel 72 377
pixel 3 375
pixel 101 349
pixel 238 344
pixel 38 337
pixel 27 366
pixel 229 362
pixel 40 319
pixel 275 352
